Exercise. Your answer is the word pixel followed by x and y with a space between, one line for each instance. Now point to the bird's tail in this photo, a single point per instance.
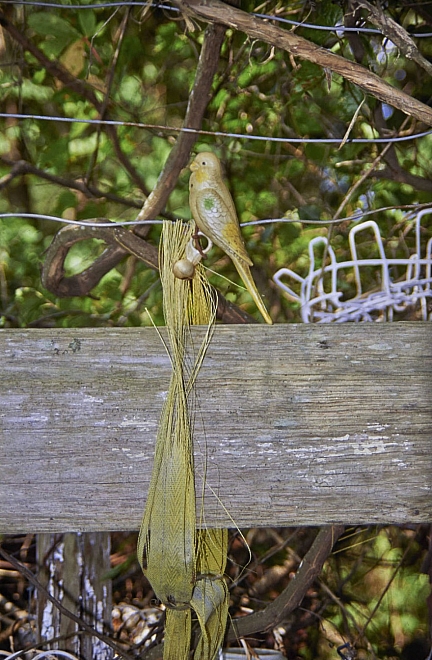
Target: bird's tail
pixel 244 272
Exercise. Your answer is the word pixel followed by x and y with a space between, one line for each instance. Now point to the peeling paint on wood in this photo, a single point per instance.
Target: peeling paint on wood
pixel 295 425
pixel 73 568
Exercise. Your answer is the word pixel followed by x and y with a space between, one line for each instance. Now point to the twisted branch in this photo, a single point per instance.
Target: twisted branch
pixel 120 242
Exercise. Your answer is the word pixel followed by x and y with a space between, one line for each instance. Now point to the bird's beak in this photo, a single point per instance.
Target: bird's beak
pixel 193 166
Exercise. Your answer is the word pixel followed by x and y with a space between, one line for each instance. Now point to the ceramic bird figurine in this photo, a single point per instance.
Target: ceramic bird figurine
pixel 214 213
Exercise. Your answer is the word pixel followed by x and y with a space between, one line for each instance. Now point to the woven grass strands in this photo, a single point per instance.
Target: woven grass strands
pixel 185 566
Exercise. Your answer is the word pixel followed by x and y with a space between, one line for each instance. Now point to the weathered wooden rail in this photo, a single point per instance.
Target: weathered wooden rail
pixel 295 425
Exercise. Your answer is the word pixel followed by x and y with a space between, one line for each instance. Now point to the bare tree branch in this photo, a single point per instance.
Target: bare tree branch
pixel 396 34
pixel 394 171
pixel 198 100
pixel 291 597
pixel 119 241
pixel 21 167
pixel 216 11
pixel 107 91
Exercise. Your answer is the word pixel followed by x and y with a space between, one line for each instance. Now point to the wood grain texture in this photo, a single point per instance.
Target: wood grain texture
pixel 295 425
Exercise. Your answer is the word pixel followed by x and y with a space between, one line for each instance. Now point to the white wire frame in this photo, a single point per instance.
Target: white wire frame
pixel 321 300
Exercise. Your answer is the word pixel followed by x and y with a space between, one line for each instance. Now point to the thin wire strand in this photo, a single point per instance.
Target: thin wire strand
pixel 313 26
pixel 240 136
pixel 335 28
pixel 81 223
pixel 356 217
pixel 269 17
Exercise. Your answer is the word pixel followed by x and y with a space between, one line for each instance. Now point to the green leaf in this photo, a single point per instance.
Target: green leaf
pixel 87 21
pixel 287 234
pixel 66 200
pixel 51 25
pixel 36 92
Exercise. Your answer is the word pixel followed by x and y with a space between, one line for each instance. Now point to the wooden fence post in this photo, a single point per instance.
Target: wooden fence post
pixel 73 568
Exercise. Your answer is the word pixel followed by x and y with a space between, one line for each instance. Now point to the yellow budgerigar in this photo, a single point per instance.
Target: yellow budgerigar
pixel 214 213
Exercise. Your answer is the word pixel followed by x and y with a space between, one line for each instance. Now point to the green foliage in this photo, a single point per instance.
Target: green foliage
pixel 325 12
pixel 59 30
pixel 258 90
pixel 386 600
pixel 87 22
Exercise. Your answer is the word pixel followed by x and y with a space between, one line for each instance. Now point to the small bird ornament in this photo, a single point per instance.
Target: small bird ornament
pixel 214 213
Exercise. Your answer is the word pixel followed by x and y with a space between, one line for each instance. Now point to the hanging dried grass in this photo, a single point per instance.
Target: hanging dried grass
pixel 184 567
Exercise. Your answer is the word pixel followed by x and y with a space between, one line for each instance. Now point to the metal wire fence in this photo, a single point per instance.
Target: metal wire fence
pixel 321 293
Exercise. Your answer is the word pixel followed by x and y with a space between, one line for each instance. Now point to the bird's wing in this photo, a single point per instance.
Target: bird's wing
pixel 219 222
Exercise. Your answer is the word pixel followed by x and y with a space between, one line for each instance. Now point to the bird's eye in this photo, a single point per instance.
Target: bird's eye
pixel 203 162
